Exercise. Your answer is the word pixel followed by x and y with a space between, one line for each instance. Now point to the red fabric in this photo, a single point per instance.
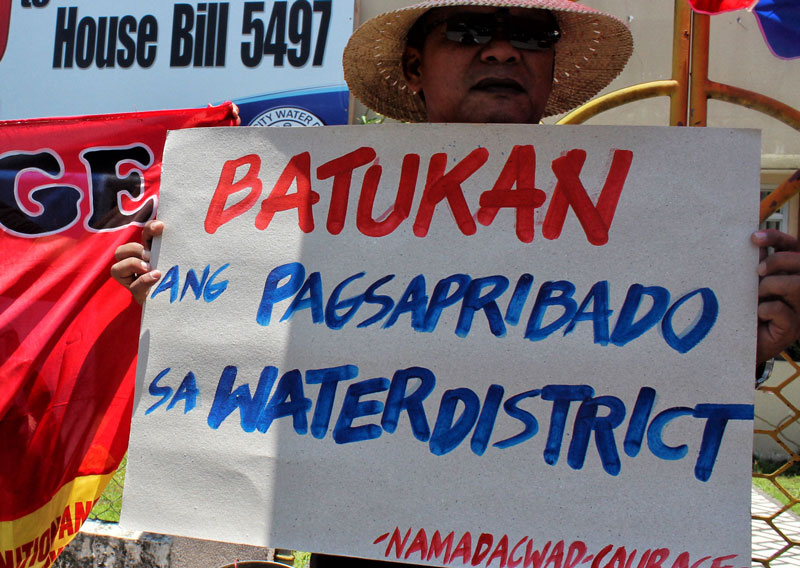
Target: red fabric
pixel 5 22
pixel 68 333
pixel 719 6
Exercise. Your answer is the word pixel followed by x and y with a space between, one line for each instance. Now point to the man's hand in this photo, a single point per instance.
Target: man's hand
pixel 778 293
pixel 132 268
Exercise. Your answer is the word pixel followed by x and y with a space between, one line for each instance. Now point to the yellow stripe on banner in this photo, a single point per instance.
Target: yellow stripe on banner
pixel 34 541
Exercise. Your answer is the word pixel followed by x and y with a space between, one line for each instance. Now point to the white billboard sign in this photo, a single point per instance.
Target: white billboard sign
pixel 280 60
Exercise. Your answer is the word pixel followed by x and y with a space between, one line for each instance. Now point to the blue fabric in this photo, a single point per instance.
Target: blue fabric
pixel 779 21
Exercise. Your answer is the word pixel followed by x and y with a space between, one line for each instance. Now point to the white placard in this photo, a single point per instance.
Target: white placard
pixel 453 345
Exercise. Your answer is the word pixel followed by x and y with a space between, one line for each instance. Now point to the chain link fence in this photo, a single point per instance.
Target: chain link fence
pixel 776 469
pixel 109 506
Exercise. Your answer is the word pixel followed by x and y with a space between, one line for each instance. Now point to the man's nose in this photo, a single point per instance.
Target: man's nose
pixel 500 50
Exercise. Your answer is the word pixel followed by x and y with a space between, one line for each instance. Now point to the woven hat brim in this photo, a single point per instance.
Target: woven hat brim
pixel 593 49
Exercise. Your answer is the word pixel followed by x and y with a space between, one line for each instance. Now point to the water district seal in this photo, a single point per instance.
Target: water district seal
pixel 286 116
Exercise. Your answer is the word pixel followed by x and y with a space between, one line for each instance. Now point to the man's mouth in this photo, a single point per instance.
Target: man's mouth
pixel 497 85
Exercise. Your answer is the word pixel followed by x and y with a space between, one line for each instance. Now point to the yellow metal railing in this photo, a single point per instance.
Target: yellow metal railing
pixel 689 90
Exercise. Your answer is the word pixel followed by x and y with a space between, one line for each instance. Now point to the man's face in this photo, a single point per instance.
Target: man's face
pixel 481 82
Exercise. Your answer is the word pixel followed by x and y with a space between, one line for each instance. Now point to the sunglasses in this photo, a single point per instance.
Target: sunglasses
pixel 479 29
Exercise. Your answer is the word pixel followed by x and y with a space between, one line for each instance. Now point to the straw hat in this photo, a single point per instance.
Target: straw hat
pixel 593 49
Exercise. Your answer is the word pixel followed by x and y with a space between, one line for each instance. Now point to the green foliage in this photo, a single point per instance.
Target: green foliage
pixel 301 559
pixel 109 506
pixel 789 479
pixel 790 484
pixel 769 466
pixel 365 119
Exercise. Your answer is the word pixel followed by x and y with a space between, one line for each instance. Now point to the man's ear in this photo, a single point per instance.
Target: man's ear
pixel 412 68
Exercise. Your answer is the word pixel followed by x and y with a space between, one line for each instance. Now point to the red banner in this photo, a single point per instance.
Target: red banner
pixel 719 6
pixel 71 191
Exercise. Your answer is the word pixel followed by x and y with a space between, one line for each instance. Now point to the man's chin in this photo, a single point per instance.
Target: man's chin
pixel 505 116
pixel 495 110
pixel 504 109
pixel 505 119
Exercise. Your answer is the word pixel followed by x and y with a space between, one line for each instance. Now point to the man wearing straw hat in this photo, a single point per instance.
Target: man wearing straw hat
pixel 512 61
pixel 501 61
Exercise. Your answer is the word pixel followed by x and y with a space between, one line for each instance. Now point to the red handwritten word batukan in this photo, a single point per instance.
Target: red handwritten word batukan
pixel 515 188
